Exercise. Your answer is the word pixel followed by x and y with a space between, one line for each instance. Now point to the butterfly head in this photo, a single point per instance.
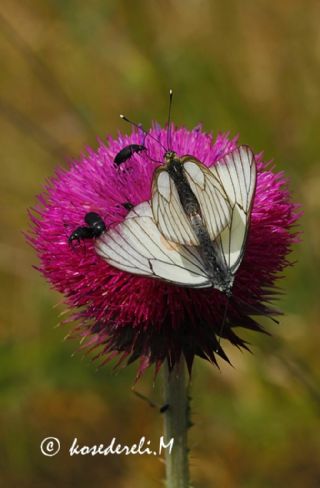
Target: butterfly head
pixel 169 156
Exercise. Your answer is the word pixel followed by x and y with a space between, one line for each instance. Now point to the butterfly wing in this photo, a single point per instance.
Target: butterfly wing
pixel 237 174
pixel 136 246
pixel 168 212
pixel 212 198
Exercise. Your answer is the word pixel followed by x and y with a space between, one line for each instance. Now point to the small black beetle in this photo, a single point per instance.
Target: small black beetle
pixel 127 152
pixel 95 227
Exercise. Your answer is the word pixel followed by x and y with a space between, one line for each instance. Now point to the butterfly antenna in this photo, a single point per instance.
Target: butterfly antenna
pixel 169 120
pixel 223 322
pixel 139 126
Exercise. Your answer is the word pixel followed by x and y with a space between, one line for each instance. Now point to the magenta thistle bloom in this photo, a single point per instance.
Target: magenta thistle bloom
pixel 135 317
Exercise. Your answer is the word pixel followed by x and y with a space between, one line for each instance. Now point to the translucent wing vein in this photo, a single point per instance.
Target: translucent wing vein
pixel 137 246
pixel 236 172
pixel 169 214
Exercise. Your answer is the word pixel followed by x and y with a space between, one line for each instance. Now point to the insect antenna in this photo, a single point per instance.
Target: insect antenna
pixel 169 120
pixel 139 126
pixel 146 134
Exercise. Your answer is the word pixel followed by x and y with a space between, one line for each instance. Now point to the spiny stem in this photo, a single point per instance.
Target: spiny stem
pixel 176 424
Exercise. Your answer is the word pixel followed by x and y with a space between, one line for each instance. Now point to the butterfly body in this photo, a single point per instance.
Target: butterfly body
pixel 189 202
pixel 218 275
pixel 175 168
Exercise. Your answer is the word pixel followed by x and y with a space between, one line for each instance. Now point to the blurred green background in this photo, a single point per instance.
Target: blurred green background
pixel 68 68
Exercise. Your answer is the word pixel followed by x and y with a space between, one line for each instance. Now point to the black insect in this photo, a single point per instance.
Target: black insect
pixel 127 205
pixel 164 408
pixel 127 152
pixel 94 228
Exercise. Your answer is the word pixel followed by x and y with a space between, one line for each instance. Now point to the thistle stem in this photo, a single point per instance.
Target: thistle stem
pixel 176 423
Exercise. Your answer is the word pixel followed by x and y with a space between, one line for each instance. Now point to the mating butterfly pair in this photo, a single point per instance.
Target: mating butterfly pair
pixel 193 231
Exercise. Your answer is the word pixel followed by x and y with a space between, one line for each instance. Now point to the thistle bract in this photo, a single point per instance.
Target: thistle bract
pixel 140 318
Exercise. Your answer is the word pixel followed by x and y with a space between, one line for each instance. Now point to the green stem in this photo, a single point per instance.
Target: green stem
pixel 176 423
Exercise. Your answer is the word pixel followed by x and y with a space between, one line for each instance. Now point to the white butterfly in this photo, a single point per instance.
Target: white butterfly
pixel 161 239
pixel 182 190
pixel 237 174
pixel 137 246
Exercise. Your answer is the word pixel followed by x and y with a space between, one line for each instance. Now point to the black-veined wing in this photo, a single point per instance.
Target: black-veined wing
pixel 136 246
pixel 168 212
pixel 237 174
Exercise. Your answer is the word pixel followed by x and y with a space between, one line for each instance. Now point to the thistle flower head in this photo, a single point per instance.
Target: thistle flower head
pixel 135 317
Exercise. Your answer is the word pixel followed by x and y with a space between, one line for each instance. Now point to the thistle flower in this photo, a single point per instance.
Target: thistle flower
pixel 134 317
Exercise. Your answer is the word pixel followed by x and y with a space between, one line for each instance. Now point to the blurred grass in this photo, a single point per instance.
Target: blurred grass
pixel 249 67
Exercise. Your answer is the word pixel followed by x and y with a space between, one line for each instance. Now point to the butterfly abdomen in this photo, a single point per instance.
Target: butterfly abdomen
pixel 192 209
pixel 208 254
pixel 187 198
